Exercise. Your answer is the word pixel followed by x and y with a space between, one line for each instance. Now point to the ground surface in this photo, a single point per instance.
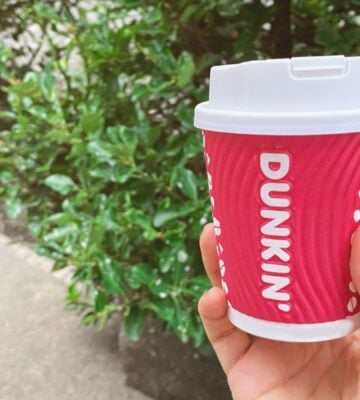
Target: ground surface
pixel 166 369
pixel 44 353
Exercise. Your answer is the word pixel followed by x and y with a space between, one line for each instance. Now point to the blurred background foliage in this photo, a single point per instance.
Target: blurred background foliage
pixel 97 144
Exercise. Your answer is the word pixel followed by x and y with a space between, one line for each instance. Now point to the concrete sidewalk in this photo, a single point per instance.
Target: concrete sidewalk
pixel 44 352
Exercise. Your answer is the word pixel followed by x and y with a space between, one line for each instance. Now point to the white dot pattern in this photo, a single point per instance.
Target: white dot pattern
pixel 352 287
pixel 353 301
pixel 357 215
pixel 352 304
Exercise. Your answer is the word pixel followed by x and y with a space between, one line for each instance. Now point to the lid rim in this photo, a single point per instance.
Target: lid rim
pixel 318 92
pixel 270 123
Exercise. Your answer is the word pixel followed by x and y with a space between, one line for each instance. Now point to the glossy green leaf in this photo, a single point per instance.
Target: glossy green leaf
pixel 159 288
pixel 168 259
pixel 46 82
pixel 102 150
pixel 97 137
pixel 161 56
pixel 100 301
pixel 7 115
pixel 14 207
pixel 27 88
pixel 110 276
pixel 89 319
pixel 185 69
pixel 167 215
pixel 134 323
pixel 91 122
pixel 60 183
pixel 60 264
pixel 72 294
pixel 186 182
pixel 163 308
pixel 142 273
pixel 229 8
pixel 61 232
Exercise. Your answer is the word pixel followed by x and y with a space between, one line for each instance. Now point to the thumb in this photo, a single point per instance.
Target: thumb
pixel 229 343
pixel 355 259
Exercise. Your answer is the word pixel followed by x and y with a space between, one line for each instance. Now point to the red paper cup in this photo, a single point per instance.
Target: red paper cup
pixel 285 193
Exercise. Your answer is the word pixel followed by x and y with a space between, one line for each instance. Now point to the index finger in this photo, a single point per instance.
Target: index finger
pixel 355 259
pixel 209 255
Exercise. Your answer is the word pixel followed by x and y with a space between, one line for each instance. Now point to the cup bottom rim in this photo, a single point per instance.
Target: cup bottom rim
pixel 294 332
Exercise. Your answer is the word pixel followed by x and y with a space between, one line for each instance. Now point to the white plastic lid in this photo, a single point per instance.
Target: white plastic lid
pixel 297 96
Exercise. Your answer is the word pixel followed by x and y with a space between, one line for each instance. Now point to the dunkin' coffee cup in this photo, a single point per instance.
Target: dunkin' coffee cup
pixel 282 152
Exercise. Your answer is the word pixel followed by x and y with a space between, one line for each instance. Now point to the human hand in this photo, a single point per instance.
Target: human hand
pixel 262 369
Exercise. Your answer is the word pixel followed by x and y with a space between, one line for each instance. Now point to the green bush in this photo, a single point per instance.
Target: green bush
pixel 100 148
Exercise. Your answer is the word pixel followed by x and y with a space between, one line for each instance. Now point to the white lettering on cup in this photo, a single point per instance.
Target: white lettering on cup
pixel 275 240
pixel 282 162
pixel 209 181
pixel 275 268
pixel 275 248
pixel 217 228
pixel 271 187
pixel 277 283
pixel 276 218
